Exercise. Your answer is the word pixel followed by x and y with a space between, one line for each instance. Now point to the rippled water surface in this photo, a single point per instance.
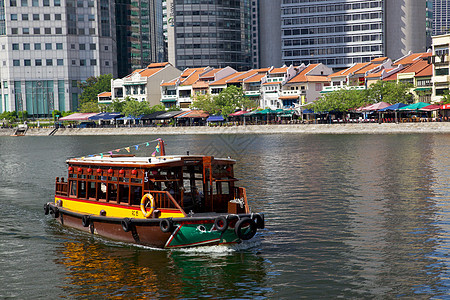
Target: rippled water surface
pixel 348 216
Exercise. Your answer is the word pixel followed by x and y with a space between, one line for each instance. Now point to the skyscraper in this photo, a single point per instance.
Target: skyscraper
pixel 339 33
pixel 140 38
pixel 441 16
pixel 45 52
pixel 209 33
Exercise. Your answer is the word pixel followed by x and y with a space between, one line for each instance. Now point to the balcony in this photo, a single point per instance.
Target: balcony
pixel 328 89
pixel 255 93
pixel 168 97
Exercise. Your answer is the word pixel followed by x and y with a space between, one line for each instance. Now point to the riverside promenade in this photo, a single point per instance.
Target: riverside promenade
pixel 361 128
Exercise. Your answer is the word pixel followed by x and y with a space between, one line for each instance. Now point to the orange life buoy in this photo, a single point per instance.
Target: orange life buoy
pixel 144 199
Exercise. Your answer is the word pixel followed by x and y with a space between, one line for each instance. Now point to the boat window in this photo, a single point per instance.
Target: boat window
pixel 113 178
pixel 136 180
pixel 91 190
pixel 73 188
pixel 126 179
pixel 101 189
pixel 124 190
pixel 82 176
pixel 92 177
pixel 72 175
pixel 81 189
pixel 136 195
pixel 112 192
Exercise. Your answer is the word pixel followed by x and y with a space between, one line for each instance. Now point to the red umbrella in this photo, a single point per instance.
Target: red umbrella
pixel 431 107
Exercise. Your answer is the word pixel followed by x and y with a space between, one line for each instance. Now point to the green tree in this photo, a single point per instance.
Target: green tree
pixel 132 107
pixel 94 86
pixel 341 100
pixel 446 98
pixel 90 107
pixel 225 103
pixel 390 92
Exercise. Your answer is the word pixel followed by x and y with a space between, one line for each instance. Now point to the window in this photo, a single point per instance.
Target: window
pixel 37 46
pixel 92 31
pixel 58 30
pixel 49 62
pixel 80 18
pixel 36 30
pixel 27 62
pixel 82 47
pixel 26 46
pixel 81 31
pixel 48 46
pixel 58 17
pixel 57 2
pixel 46 2
pixel 35 17
pixel 74 83
pixel 16 63
pixel 74 62
pixel 59 46
pixel 47 30
pixel 15 46
pixel 24 17
pixel 38 62
pixel 13 17
pixel 93 62
pixel 12 3
pixel 91 18
pixel 35 3
pixel 46 17
pixel 59 62
pixel 82 62
pixel 24 2
pixel 92 47
pixel 26 30
pixel 14 30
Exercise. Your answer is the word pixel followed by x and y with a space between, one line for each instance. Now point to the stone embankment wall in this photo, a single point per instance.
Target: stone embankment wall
pixel 369 128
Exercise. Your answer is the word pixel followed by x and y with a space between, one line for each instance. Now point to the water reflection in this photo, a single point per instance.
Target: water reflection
pixel 98 268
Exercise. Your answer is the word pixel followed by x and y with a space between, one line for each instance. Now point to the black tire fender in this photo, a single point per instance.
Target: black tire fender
pixel 221 223
pixel 55 212
pixel 46 209
pixel 259 220
pixel 250 232
pixel 126 224
pixel 85 220
pixel 166 225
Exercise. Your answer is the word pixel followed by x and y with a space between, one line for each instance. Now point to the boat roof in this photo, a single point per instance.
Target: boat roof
pixel 142 161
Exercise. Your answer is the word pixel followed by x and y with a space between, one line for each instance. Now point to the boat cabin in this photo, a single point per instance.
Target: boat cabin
pixel 188 184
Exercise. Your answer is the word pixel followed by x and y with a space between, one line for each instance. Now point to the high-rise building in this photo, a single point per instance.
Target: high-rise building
pixel 209 33
pixel 268 28
pixel 339 33
pixel 47 47
pixel 140 38
pixel 441 16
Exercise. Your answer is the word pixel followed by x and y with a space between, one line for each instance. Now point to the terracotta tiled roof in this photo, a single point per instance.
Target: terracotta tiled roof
pixel 149 72
pixel 278 70
pixel 301 77
pixel 391 77
pixel 193 77
pixel 347 71
pixel 410 58
pixel 210 73
pixel 170 83
pixel 224 80
pixel 427 71
pixel 157 65
pixel 378 59
pixel 244 75
pixel 374 75
pixel 416 67
pixel 255 78
pixel 200 85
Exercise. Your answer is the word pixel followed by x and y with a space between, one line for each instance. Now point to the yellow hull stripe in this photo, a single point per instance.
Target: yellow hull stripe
pixel 112 210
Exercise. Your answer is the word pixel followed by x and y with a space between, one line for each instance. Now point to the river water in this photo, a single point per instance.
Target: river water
pixel 348 216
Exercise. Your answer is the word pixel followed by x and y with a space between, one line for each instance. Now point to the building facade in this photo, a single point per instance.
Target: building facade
pixel 440 16
pixel 140 34
pixel 340 33
pixel 209 33
pixel 48 46
pixel 441 67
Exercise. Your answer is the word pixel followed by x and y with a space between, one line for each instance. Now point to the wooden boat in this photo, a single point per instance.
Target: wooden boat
pixel 162 201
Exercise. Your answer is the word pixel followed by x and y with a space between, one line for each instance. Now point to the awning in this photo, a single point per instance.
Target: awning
pixel 129 118
pixel 168 115
pixel 376 106
pixel 291 97
pixel 431 107
pixel 415 106
pixel 215 119
pixel 238 113
pixel 78 117
pixel 168 100
pixel 393 107
pixel 422 89
pixel 152 116
pixel 193 114
pixel 106 116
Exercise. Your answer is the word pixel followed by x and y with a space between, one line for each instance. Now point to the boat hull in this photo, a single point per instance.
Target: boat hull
pixel 162 233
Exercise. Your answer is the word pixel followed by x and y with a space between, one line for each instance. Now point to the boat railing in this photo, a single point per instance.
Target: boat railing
pixel 241 194
pixel 61 187
pixel 163 199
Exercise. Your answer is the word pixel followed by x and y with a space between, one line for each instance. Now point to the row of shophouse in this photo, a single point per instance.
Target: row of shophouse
pixel 287 86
